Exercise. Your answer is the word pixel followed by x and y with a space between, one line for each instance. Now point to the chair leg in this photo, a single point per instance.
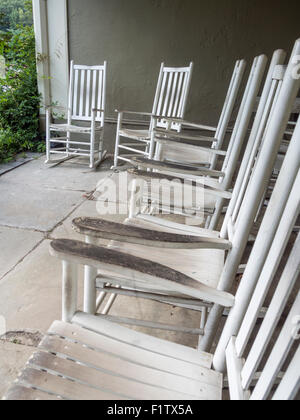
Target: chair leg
pixel 69 291
pixel 152 145
pixel 120 117
pixel 117 149
pixel 68 143
pixel 48 134
pixel 90 293
pixel 92 150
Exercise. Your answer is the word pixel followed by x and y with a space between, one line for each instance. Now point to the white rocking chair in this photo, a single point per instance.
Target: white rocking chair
pixel 168 149
pixel 204 266
pixel 86 104
pixel 170 101
pixel 86 357
pixel 172 155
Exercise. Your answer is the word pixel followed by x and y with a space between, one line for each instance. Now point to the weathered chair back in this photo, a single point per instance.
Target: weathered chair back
pixel 255 191
pixel 262 363
pixel 239 133
pixel 240 130
pixel 174 151
pixel 253 147
pixel 267 102
pixel 87 92
pixel 171 94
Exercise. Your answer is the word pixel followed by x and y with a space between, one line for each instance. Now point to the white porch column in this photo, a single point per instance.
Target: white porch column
pixel 42 51
pixel 51 31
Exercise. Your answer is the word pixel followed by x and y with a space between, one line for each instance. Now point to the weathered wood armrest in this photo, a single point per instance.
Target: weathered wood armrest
pixel 97 110
pixel 191 147
pixel 186 123
pixel 133 267
pixel 148 114
pixel 120 232
pixel 195 184
pixel 172 167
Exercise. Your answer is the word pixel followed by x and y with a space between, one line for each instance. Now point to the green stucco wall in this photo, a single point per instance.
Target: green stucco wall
pixel 135 36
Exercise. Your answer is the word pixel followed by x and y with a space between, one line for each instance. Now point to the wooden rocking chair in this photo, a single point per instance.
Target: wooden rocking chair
pixel 170 101
pixel 86 106
pixel 85 357
pixel 205 266
pixel 192 157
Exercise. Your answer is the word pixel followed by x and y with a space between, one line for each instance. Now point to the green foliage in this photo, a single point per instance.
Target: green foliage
pixel 14 13
pixel 19 98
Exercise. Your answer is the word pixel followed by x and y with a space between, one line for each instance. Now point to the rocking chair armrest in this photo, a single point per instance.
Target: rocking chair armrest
pixel 175 168
pixel 134 269
pixel 185 123
pixel 191 147
pixel 148 114
pixel 180 179
pixel 164 134
pixel 49 107
pixel 97 110
pixel 103 229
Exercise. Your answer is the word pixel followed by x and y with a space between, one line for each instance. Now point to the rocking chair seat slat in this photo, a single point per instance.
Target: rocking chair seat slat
pixel 135 134
pixel 73 128
pixel 183 169
pixel 194 184
pixel 75 363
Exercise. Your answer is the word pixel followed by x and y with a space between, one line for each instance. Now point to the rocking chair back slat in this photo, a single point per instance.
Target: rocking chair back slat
pixel 82 87
pixel 94 88
pixel 75 92
pixel 175 110
pixel 88 91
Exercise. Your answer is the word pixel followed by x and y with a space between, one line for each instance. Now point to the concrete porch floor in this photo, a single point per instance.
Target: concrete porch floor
pixel 37 204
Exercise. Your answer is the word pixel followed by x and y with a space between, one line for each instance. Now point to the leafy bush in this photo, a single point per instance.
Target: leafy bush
pixel 15 12
pixel 19 97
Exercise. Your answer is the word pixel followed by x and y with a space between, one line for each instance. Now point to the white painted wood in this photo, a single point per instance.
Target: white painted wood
pixel 64 388
pixel 90 274
pixel 260 124
pixel 169 89
pixel 278 355
pixel 288 280
pixel 179 283
pixel 144 341
pixel 87 89
pixel 109 373
pixel 69 291
pixel 242 374
pixel 234 370
pixel 192 263
pixel 248 212
pixel 290 384
pixel 128 350
pixel 186 153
